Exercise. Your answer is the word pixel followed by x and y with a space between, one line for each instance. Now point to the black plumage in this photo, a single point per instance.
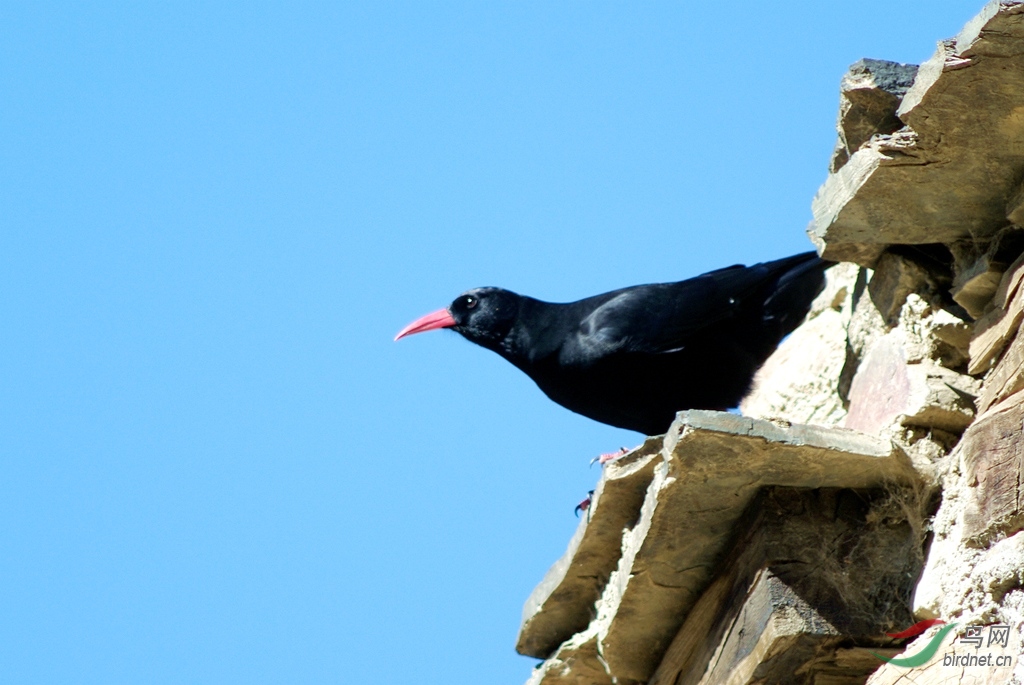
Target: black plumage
pixel 634 357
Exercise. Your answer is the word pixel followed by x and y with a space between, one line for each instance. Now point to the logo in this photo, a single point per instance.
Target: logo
pixel 929 650
pixel 998 635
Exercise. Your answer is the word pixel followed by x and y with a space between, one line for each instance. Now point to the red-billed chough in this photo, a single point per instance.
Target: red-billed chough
pixel 634 357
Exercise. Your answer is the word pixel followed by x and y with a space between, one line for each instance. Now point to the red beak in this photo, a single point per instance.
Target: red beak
pixel 439 319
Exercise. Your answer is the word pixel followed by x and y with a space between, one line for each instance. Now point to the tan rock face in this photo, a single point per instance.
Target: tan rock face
pixel 993 456
pixel 980 265
pixel 810 570
pixel 1001 323
pixel 563 603
pixel 686 573
pixel 712 466
pixel 869 95
pixel 949 174
pixel 974 573
pixel 887 389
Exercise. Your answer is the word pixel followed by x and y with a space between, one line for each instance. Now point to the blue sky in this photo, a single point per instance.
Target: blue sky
pixel 216 465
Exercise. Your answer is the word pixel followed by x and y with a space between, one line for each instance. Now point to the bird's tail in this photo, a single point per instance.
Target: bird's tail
pixel 800 280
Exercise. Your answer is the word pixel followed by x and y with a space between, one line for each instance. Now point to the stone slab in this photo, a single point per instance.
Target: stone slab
pixel 563 603
pixel 949 173
pixel 993 452
pixel 869 95
pixel 1006 379
pixel 997 344
pixel 994 330
pixel 576 662
pixel 814 577
pixel 717 463
pixel 887 389
pixel 977 281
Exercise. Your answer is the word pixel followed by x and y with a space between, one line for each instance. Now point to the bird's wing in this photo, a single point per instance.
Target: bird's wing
pixel 654 319
pixel 663 318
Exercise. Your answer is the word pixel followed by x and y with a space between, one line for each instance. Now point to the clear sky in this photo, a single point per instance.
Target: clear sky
pixel 217 467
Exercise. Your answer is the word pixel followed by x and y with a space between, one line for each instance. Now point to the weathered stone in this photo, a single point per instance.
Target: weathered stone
pixel 1015 207
pixel 993 331
pixel 777 638
pixel 563 603
pixel 940 398
pixel 976 282
pixel 949 584
pixel 933 200
pixel 1006 379
pixel 998 343
pixel 865 254
pixel 887 390
pixel 869 95
pixel 717 463
pixel 973 581
pixel 975 291
pixel 800 381
pixel 576 662
pixel 927 448
pixel 811 571
pixel 933 335
pixel 865 327
pixel 894 278
pixel 866 322
pixel 949 173
pixel 970 585
pixel 993 453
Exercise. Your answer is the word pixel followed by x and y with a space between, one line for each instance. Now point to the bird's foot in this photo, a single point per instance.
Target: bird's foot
pixel 609 456
pixel 585 505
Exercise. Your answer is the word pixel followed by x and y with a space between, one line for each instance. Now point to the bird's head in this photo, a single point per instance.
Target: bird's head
pixel 482 315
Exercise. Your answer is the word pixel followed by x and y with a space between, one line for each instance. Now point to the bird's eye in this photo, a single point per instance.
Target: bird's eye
pixel 470 301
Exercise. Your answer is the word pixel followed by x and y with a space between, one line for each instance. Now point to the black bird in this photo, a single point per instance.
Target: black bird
pixel 634 357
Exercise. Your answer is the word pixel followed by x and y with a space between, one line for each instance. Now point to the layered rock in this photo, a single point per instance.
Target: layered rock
pixel 875 477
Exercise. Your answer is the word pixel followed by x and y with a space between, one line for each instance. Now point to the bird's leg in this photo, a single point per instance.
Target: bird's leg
pixel 609 456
